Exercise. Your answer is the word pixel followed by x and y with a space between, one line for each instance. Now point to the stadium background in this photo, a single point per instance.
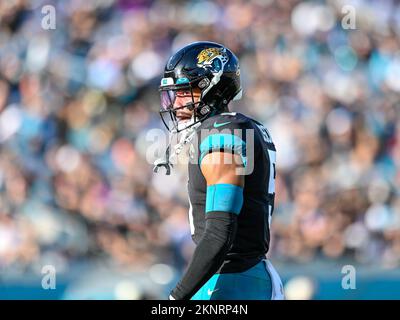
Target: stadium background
pixel 77 193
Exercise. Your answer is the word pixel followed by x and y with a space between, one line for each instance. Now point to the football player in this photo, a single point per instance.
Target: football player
pixel 231 177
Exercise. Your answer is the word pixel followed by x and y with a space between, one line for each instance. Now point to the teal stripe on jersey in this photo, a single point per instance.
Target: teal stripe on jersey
pixel 227 142
pixel 224 197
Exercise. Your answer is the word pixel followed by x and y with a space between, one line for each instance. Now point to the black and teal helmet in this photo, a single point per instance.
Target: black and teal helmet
pixel 209 66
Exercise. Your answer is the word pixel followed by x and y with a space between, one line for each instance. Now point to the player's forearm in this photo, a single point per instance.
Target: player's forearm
pixel 209 254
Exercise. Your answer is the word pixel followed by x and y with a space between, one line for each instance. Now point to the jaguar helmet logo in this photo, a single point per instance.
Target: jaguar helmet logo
pixel 212 58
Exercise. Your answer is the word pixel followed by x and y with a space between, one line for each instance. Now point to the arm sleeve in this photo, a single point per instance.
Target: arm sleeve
pixel 209 254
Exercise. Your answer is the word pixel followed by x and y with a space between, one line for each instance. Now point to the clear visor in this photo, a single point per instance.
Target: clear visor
pixel 167 99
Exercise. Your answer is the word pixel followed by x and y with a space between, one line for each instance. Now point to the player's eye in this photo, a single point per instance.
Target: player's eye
pixel 183 93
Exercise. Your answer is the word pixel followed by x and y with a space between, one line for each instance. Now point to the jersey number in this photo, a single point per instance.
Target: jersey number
pixel 272 171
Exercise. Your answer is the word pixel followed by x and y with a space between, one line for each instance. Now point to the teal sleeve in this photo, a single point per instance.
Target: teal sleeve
pixel 224 197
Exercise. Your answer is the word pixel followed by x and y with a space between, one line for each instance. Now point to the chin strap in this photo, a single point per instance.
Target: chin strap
pixel 186 136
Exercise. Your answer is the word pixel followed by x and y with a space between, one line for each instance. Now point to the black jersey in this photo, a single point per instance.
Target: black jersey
pixel 249 138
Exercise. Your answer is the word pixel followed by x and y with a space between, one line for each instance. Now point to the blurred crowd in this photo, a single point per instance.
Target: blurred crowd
pixel 77 101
